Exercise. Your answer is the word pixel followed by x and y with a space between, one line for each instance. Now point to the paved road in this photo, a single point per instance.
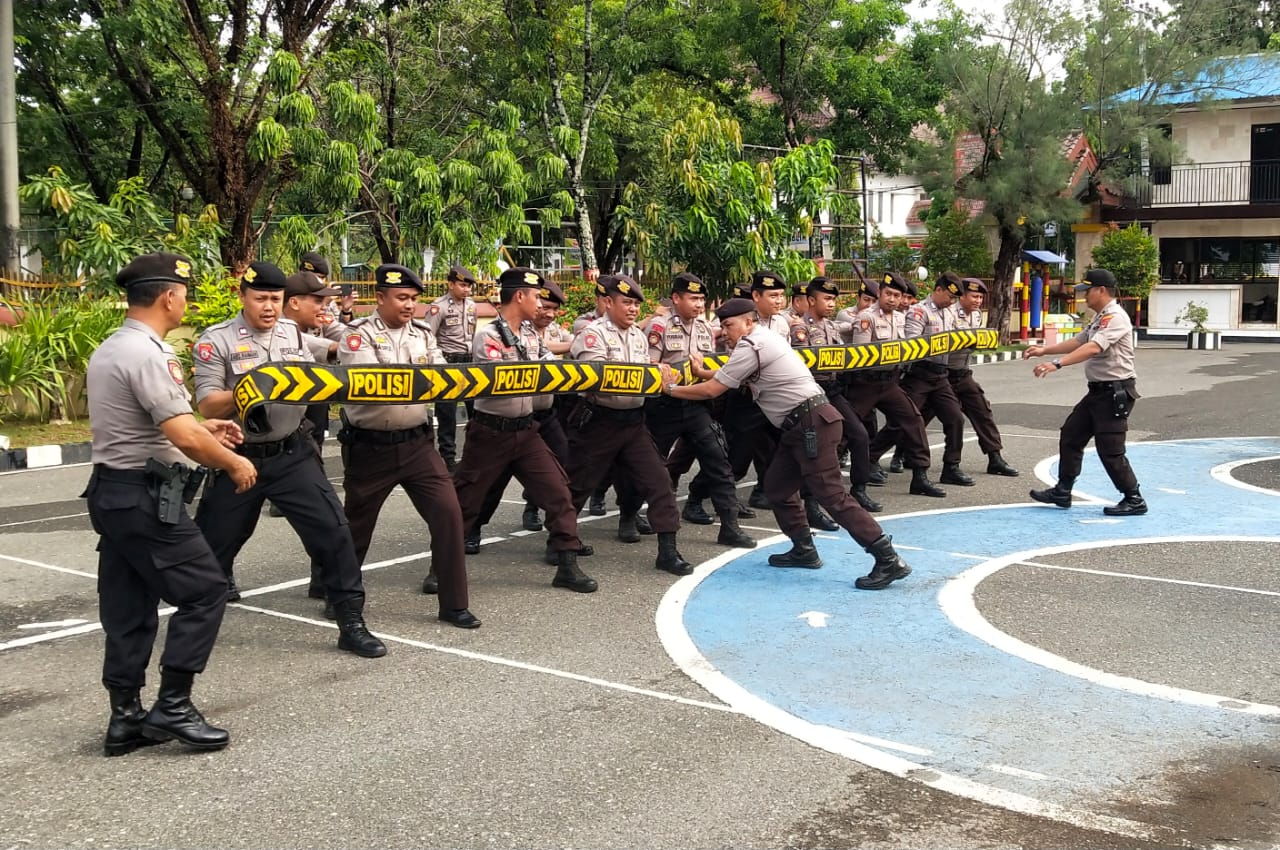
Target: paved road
pixel 565 722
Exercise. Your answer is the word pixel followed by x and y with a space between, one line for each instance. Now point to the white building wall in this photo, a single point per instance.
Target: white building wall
pixel 889 199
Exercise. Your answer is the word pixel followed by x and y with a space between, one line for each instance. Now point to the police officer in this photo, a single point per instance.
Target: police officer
pixel 140 414
pixel 973 401
pixel 502 436
pixel 819 330
pixel 290 471
pixel 451 318
pixel 795 311
pixel 811 429
pixel 926 381
pixel 686 335
pixel 608 430
pixel 878 387
pixel 388 444
pixel 1105 348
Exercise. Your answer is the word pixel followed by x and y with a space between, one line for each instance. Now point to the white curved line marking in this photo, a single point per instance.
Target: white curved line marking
pixel 1042 472
pixel 956 601
pixel 669 621
pixel 1222 473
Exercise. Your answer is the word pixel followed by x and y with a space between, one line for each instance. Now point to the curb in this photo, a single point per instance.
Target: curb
pixel 40 457
pixel 995 357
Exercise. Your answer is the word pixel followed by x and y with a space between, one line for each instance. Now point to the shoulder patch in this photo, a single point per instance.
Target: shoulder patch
pixel 175 371
pixel 655 338
pixel 864 324
pixel 354 341
pixel 434 309
pixel 493 349
pixel 1105 320
pixel 204 351
pixel 590 340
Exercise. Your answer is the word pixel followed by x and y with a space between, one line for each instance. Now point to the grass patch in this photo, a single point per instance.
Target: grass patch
pixel 24 434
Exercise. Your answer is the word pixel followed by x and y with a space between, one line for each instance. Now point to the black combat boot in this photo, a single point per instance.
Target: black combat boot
pixel 896 465
pixel 553 558
pixel 642 524
pixel 315 590
pixel 694 512
pixel 353 634
pixel 1131 505
pixel 879 477
pixel 569 576
pixel 996 465
pixel 887 569
pixel 745 512
pixel 922 486
pixel 530 520
pixel 817 518
pixel 233 591
pixel 596 506
pixel 627 531
pixel 730 534
pixel 1059 494
pixel 803 554
pixel 124 729
pixel 870 505
pixel 669 558
pixel 431 584
pixel 953 474
pixel 174 717
pixel 471 541
pixel 758 499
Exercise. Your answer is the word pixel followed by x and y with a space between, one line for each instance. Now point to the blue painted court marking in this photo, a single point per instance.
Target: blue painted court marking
pixel 913 681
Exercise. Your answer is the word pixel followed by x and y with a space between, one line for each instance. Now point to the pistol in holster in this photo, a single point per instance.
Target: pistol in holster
pixel 172 486
pixel 1121 401
pixel 810 436
pixel 581 414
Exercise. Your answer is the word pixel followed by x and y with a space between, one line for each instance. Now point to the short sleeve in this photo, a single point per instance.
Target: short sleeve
pixel 210 366
pixel 157 382
pixel 356 348
pixel 1112 327
pixel 742 364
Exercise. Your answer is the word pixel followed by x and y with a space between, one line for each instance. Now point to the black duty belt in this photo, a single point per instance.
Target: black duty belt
pixel 258 451
pixel 503 423
pixel 383 438
pixel 122 476
pixel 803 409
pixel 1100 386
pixel 875 377
pixel 544 415
pixel 928 367
pixel 622 416
pixel 457 357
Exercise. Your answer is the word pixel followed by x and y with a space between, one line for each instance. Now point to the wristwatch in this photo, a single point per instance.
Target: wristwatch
pixel 671 388
pixel 1057 364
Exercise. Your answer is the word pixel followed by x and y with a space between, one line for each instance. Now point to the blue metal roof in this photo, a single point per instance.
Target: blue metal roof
pixel 1043 257
pixel 1247 77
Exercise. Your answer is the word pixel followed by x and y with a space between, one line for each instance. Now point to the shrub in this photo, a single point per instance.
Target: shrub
pixel 1132 256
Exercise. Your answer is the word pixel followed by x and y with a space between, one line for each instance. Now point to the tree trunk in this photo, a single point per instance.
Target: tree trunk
pixel 1000 301
pixel 586 238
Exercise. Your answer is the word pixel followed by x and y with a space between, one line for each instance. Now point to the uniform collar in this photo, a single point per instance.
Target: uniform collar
pixel 134 324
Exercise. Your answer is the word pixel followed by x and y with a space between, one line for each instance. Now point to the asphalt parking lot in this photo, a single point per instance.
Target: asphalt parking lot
pixel 566 722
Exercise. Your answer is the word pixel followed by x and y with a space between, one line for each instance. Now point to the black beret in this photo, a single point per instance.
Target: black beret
pixel 262 275
pixel 798 289
pixel 893 280
pixel 390 275
pixel 870 287
pixel 821 285
pixel 973 284
pixel 624 285
pixel 734 307
pixel 687 282
pixel 742 290
pixel 461 273
pixel 765 280
pixel 1098 277
pixel 313 262
pixel 307 283
pixel 518 277
pixel 551 292
pixel 950 281
pixel 155 268
pixel 600 289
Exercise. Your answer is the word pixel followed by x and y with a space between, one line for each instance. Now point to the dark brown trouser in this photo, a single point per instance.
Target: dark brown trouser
pixel 973 401
pixel 855 437
pixel 931 394
pixel 620 441
pixel 887 396
pixel 373 471
pixel 791 466
pixel 1093 417
pixel 490 455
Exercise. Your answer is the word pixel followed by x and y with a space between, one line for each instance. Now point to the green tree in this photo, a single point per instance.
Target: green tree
pixel 723 216
pixel 955 243
pixel 892 253
pixel 1132 256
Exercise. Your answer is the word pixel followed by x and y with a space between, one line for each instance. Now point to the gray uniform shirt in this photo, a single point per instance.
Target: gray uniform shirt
pixel 226 351
pixel 603 340
pixel 778 378
pixel 925 319
pixel 1113 332
pixel 135 383
pixel 453 323
pixel 489 348
pixel 672 340
pixel 777 323
pixel 875 325
pixel 580 323
pixel 369 342
pixel 965 321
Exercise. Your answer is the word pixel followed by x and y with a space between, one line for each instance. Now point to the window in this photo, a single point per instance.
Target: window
pixel 1160 154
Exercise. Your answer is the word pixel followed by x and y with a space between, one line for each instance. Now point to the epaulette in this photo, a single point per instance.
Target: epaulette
pixel 420 325
pixel 358 323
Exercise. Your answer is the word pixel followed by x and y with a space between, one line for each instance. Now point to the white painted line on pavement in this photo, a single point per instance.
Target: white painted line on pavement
pixel 1222 473
pixel 56 624
pixel 42 519
pixel 505 662
pixel 1017 771
pixel 1160 579
pixel 31 563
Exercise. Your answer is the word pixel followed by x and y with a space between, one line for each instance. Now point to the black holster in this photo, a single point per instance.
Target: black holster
pixel 1121 400
pixel 172 487
pixel 581 414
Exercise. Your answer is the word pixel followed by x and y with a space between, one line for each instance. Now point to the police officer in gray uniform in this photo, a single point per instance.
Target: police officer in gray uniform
pixel 149 549
pixel 811 429
pixel 451 318
pixel 1105 348
pixel 290 472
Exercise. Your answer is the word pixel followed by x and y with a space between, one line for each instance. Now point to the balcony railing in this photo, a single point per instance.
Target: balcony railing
pixel 1204 184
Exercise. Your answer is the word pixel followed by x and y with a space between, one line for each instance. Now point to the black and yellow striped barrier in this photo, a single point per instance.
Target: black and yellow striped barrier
pixel 309 383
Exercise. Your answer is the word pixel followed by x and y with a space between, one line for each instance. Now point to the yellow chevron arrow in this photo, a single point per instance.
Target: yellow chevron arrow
pixel 303 381
pixel 556 377
pixel 655 383
pixel 574 375
pixel 438 383
pixel 481 379
pixel 460 382
pixel 590 377
pixel 282 381
pixel 331 384
pixel 807 355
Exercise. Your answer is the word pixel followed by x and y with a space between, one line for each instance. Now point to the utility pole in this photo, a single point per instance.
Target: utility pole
pixel 9 213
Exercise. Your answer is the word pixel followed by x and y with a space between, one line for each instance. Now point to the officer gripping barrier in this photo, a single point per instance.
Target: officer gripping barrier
pixel 310 383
